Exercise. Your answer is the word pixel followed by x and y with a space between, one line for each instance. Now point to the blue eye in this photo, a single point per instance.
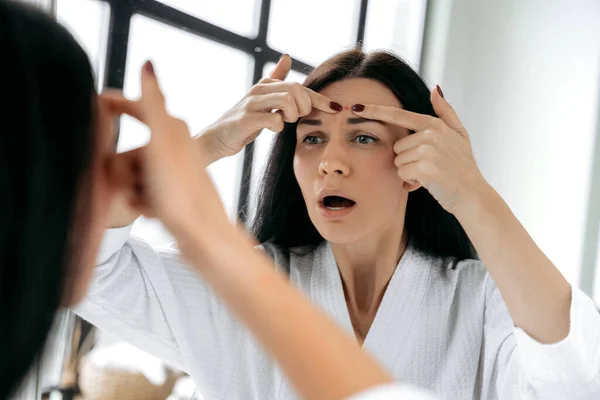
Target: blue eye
pixel 312 140
pixel 364 139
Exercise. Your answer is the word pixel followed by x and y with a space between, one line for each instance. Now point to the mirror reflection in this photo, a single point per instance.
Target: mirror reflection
pixel 427 174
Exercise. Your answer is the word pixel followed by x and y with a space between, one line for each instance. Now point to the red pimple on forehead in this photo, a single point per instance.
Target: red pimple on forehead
pixel 346 108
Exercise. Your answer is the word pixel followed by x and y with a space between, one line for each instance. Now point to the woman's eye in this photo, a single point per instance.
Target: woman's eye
pixel 312 140
pixel 364 139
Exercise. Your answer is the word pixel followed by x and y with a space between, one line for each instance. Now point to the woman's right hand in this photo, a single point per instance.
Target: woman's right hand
pixel 267 105
pixel 166 178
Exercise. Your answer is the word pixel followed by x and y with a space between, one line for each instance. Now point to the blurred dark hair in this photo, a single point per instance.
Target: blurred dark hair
pixel 282 217
pixel 46 144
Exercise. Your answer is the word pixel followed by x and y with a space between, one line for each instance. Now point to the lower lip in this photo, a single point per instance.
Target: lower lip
pixel 335 214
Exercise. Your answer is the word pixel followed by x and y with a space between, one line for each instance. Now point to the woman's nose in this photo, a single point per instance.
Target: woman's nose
pixel 334 162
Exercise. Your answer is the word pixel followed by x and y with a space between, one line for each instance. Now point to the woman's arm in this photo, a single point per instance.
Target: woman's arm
pixel 538 297
pixel 130 296
pixel 439 157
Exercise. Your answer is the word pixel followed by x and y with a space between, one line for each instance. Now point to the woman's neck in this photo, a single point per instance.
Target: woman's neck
pixel 366 268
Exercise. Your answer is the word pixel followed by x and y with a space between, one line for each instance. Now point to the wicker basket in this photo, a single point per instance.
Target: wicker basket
pixel 100 383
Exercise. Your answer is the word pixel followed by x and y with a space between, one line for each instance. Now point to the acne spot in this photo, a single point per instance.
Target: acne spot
pixel 346 108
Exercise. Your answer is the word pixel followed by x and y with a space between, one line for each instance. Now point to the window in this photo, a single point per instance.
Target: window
pixel 87 20
pixel 313 30
pixel 396 25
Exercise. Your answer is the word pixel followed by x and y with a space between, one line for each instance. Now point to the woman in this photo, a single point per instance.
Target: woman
pixel 379 215
pixel 60 172
pixel 52 216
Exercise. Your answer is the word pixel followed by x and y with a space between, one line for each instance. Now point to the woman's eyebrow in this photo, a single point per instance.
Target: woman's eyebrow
pixel 313 122
pixel 356 121
pixel 349 121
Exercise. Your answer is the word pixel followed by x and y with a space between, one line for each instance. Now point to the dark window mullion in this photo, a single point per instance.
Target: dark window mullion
pixel 260 59
pixel 188 23
pixel 362 21
pixel 118 41
pixel 117 44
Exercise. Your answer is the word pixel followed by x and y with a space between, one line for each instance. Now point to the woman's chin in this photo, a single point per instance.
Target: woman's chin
pixel 339 234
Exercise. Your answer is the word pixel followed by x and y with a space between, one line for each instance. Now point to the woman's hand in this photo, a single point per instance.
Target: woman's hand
pixel 167 177
pixel 124 168
pixel 268 104
pixel 438 156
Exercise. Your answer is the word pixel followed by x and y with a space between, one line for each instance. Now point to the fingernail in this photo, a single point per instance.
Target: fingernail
pixel 283 55
pixel 358 107
pixel 439 89
pixel 149 68
pixel 337 107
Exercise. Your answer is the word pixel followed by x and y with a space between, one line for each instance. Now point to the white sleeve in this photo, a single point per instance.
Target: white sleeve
pixel 145 296
pixel 394 391
pixel 517 366
pixel 575 360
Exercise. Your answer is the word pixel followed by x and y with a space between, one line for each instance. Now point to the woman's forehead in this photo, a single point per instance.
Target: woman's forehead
pixel 360 91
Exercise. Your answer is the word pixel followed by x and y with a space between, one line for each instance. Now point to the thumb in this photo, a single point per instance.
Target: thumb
pixel 445 111
pixel 282 68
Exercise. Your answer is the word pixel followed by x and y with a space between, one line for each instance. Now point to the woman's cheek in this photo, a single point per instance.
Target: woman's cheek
pixel 300 168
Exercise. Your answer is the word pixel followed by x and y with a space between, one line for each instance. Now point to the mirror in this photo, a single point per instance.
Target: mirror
pixel 524 78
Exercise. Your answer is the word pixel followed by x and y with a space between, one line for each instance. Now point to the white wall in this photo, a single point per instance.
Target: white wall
pixel 524 77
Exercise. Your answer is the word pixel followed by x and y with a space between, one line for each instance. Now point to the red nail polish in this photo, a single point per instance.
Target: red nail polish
pixel 149 68
pixel 439 89
pixel 337 107
pixel 358 107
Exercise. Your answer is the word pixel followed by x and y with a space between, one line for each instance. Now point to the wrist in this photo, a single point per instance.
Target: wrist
pixel 479 201
pixel 208 143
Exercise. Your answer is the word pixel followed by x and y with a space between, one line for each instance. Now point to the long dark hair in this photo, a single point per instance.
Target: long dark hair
pixel 282 217
pixel 46 144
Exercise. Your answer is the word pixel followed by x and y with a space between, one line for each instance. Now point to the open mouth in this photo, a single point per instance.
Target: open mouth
pixel 336 203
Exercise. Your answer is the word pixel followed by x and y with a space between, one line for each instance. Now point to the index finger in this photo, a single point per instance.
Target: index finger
pixel 153 101
pixel 320 102
pixel 394 115
pixel 283 67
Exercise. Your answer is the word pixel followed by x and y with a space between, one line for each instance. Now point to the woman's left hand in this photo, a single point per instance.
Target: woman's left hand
pixel 438 156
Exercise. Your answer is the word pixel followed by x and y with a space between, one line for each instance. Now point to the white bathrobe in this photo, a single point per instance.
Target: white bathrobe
pixel 442 325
